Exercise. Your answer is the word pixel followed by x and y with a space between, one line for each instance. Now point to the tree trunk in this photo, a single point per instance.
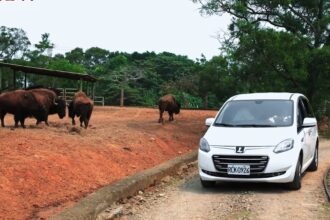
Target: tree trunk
pixel 122 97
pixel 206 101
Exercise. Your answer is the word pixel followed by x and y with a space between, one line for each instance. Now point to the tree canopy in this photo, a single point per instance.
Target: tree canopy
pixel 277 45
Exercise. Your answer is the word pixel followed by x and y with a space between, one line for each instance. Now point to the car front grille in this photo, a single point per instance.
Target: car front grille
pixel 257 163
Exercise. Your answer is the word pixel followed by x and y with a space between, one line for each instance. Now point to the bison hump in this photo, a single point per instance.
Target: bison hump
pixel 167 98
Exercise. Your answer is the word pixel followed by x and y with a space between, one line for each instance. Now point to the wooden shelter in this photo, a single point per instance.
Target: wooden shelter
pixel 45 72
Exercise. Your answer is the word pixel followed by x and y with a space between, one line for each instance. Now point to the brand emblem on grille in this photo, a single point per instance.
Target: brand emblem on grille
pixel 240 150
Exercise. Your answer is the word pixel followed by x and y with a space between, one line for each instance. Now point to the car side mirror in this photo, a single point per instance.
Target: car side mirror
pixel 309 122
pixel 209 121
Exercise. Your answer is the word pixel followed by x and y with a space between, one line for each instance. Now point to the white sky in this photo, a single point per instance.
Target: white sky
pixel 123 25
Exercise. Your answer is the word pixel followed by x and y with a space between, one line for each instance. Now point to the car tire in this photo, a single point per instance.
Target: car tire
pixel 207 184
pixel 296 183
pixel 315 162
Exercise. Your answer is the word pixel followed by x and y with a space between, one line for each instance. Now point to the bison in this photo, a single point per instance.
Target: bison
pixel 36 103
pixel 57 91
pixel 81 106
pixel 168 103
pixel 51 102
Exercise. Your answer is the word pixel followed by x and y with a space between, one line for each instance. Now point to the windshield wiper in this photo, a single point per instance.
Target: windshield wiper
pixel 224 125
pixel 256 125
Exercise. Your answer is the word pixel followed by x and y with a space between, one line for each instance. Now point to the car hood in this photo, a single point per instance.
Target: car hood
pixel 233 136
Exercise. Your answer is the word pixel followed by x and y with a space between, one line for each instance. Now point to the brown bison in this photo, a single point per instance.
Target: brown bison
pixel 51 102
pixel 33 103
pixel 81 106
pixel 169 104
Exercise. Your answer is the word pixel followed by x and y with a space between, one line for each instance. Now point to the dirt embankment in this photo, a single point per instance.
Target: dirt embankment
pixel 44 169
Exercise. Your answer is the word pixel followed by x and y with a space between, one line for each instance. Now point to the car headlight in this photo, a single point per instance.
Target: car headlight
pixel 284 146
pixel 204 145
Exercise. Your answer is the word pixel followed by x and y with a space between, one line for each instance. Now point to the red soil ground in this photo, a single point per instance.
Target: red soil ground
pixel 45 169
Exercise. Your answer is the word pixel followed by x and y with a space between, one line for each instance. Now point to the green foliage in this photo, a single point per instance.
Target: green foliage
pixel 274 46
pixel 13 42
pixel 216 78
pixel 189 101
pixel 305 19
pixel 149 97
pixel 44 44
pixel 279 45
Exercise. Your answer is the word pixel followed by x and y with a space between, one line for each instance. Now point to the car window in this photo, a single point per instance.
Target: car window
pixel 308 108
pixel 263 113
pixel 300 114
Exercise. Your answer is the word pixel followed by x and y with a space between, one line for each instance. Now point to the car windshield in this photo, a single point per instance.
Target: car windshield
pixel 256 113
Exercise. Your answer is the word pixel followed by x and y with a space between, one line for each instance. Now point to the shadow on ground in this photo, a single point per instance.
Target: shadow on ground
pixel 194 186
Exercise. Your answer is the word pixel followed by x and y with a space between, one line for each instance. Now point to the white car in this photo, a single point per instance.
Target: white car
pixel 260 137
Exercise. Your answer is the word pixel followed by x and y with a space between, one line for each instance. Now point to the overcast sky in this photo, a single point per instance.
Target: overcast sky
pixel 123 25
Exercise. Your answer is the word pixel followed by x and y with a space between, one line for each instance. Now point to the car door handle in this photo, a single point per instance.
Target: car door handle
pixel 309 132
pixel 302 139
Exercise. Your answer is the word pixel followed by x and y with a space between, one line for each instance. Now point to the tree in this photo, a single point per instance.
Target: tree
pixel 216 79
pixel 96 56
pixel 44 45
pixel 306 19
pixel 303 22
pixel 13 42
pixel 76 56
pixel 268 60
pixel 123 76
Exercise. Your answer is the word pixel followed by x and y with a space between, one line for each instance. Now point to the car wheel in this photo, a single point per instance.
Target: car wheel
pixel 296 183
pixel 207 184
pixel 315 162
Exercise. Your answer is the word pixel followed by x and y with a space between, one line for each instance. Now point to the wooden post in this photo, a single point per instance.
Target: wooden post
pixel 0 79
pixel 14 79
pixel 64 94
pixel 81 84
pixel 25 80
pixel 122 97
pixel 93 91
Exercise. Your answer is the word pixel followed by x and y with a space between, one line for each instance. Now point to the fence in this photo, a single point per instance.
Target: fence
pixel 68 93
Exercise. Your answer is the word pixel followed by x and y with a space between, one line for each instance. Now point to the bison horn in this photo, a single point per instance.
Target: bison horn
pixel 55 103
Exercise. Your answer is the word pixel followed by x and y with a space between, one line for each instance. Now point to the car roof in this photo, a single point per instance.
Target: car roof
pixel 266 96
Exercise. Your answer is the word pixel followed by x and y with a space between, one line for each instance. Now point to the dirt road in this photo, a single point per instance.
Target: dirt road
pixel 188 200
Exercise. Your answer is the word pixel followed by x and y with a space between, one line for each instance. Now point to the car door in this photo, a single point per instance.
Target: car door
pixel 302 132
pixel 311 131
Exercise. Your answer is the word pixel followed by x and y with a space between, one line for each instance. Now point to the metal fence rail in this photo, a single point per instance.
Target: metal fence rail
pixel 99 99
pixel 68 93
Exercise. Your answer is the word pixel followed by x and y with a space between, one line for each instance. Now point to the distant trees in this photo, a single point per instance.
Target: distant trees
pixel 13 42
pixel 271 46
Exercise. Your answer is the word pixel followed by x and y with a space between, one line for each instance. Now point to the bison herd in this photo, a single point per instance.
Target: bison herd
pixel 40 102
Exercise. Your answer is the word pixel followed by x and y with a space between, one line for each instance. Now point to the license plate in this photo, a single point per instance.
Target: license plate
pixel 237 169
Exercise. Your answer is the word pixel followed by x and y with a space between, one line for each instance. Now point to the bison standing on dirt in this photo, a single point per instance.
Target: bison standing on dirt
pixel 30 103
pixel 81 106
pixel 51 102
pixel 169 104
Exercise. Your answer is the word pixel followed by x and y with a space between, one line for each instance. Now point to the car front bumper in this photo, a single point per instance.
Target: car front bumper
pixel 279 169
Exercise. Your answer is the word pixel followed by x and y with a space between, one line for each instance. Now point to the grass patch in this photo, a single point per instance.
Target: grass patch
pixel 325 211
pixel 243 214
